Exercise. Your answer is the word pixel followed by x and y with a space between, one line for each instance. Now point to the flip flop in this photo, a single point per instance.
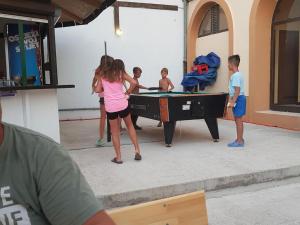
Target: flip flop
pixel 114 160
pixel 138 157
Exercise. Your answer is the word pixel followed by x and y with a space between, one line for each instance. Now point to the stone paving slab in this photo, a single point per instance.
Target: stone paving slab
pixel 275 203
pixel 193 163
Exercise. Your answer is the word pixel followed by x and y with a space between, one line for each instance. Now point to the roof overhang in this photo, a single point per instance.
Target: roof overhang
pixel 67 12
pixel 78 12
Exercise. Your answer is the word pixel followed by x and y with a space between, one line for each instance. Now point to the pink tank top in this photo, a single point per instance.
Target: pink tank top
pixel 115 99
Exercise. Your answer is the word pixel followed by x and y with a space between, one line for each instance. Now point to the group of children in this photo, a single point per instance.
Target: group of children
pixel 109 82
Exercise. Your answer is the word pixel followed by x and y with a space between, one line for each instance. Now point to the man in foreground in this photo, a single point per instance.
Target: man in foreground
pixel 41 185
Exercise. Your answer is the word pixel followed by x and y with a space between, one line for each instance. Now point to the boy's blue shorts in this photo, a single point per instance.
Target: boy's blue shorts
pixel 240 108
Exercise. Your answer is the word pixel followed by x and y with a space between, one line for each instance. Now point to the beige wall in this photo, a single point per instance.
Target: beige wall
pixel 249 36
pixel 240 10
pixel 220 43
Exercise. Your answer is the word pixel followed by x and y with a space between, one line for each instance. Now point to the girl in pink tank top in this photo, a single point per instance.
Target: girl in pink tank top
pixel 114 96
pixel 117 107
pixel 106 61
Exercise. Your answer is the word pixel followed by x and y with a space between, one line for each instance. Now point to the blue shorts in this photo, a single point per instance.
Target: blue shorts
pixel 240 108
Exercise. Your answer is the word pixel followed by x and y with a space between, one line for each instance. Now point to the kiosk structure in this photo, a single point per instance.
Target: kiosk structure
pixel 28 66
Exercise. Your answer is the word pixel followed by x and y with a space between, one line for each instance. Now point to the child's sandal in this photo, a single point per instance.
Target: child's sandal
pixel 138 157
pixel 114 160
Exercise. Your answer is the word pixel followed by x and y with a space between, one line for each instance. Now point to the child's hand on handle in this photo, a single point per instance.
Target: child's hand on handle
pixel 127 95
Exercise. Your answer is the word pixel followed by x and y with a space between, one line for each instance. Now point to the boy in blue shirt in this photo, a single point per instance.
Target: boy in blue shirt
pixel 237 101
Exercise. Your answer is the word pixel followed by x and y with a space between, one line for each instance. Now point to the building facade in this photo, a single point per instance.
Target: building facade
pixel 265 33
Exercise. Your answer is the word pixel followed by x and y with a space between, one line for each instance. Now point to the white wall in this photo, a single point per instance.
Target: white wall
pixel 218 43
pixel 34 109
pixel 151 39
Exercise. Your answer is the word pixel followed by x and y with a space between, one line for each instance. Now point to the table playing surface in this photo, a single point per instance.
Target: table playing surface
pixel 175 94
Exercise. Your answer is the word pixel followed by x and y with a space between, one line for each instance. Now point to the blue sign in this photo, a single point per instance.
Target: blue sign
pixel 32 52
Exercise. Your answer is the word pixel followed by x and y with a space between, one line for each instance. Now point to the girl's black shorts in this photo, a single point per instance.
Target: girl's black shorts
pixel 115 115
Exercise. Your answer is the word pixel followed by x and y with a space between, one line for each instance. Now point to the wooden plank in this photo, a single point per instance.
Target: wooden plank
pixel 27 7
pixel 164 109
pixel 188 209
pixel 94 3
pixel 52 52
pixel 147 5
pixel 116 18
pixel 70 14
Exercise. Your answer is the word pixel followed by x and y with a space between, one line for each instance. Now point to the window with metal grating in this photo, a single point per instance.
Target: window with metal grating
pixel 213 22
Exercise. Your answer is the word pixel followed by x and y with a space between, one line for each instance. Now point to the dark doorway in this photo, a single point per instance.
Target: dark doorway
pixel 288 67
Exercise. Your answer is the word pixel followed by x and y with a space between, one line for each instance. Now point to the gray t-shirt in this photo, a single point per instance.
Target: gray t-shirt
pixel 40 184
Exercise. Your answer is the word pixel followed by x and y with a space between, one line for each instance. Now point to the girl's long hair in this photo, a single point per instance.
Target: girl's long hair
pixel 105 62
pixel 116 72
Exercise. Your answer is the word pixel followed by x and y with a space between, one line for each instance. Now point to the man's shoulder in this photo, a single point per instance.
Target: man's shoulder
pixel 29 135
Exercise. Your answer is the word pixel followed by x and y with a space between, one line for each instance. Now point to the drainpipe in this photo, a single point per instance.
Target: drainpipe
pixel 185 24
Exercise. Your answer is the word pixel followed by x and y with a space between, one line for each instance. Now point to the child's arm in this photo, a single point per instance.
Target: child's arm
pixel 232 101
pixel 100 85
pixel 170 84
pixel 131 81
pixel 236 83
pixel 94 84
pixel 142 87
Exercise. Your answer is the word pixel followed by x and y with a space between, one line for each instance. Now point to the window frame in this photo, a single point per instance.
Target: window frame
pixel 213 29
pixel 50 33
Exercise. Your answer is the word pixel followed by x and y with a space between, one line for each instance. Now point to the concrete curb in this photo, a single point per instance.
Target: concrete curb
pixel 213 184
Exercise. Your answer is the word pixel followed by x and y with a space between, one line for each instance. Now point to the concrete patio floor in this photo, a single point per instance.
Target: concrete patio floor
pixel 193 163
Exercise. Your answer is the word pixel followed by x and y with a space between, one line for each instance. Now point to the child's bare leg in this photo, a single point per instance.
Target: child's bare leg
pixel 120 123
pixel 102 122
pixel 239 129
pixel 115 133
pixel 132 133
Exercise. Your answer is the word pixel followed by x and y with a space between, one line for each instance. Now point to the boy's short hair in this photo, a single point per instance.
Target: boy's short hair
pixel 164 70
pixel 234 59
pixel 136 69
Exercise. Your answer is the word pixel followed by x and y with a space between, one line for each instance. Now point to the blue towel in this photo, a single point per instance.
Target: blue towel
pixel 193 79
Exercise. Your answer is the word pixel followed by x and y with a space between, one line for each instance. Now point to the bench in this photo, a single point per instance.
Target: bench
pixel 188 209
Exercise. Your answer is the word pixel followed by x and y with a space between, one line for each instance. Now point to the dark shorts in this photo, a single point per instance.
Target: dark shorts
pixel 240 108
pixel 101 101
pixel 115 115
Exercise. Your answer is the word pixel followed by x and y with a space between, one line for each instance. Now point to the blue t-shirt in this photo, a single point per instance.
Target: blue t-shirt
pixel 236 80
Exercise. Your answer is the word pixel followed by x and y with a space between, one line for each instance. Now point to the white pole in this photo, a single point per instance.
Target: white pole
pixel 7 59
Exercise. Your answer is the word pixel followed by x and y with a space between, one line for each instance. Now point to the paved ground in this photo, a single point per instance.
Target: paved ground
pixel 194 162
pixel 265 204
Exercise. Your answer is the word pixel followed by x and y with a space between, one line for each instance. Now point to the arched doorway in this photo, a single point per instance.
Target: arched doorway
pixel 263 64
pixel 285 61
pixel 211 29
